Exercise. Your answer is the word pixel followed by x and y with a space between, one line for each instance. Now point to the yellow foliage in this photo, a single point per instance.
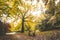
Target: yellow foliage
pixel 12 27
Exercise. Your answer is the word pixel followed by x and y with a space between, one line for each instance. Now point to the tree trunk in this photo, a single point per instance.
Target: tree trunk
pixel 22 29
pixel 2 31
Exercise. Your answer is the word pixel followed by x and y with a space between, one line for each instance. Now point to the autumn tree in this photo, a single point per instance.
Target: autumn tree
pixel 4 10
pixel 57 14
pixel 50 11
pixel 20 10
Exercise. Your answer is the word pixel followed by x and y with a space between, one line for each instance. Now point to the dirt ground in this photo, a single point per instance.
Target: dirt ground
pixel 51 35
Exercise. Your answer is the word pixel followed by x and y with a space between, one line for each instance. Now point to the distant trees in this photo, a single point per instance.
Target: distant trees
pixel 51 21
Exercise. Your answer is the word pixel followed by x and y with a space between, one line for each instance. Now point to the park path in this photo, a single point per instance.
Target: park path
pixel 17 36
pixel 48 35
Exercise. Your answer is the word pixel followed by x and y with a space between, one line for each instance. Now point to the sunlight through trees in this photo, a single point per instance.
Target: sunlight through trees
pixel 30 15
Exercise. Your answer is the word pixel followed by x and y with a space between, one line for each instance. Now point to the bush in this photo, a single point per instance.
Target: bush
pixel 2 31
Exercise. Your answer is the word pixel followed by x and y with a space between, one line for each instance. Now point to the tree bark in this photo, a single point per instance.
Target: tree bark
pixel 22 29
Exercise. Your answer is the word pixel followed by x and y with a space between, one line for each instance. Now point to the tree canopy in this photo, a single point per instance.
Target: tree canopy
pixel 21 14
